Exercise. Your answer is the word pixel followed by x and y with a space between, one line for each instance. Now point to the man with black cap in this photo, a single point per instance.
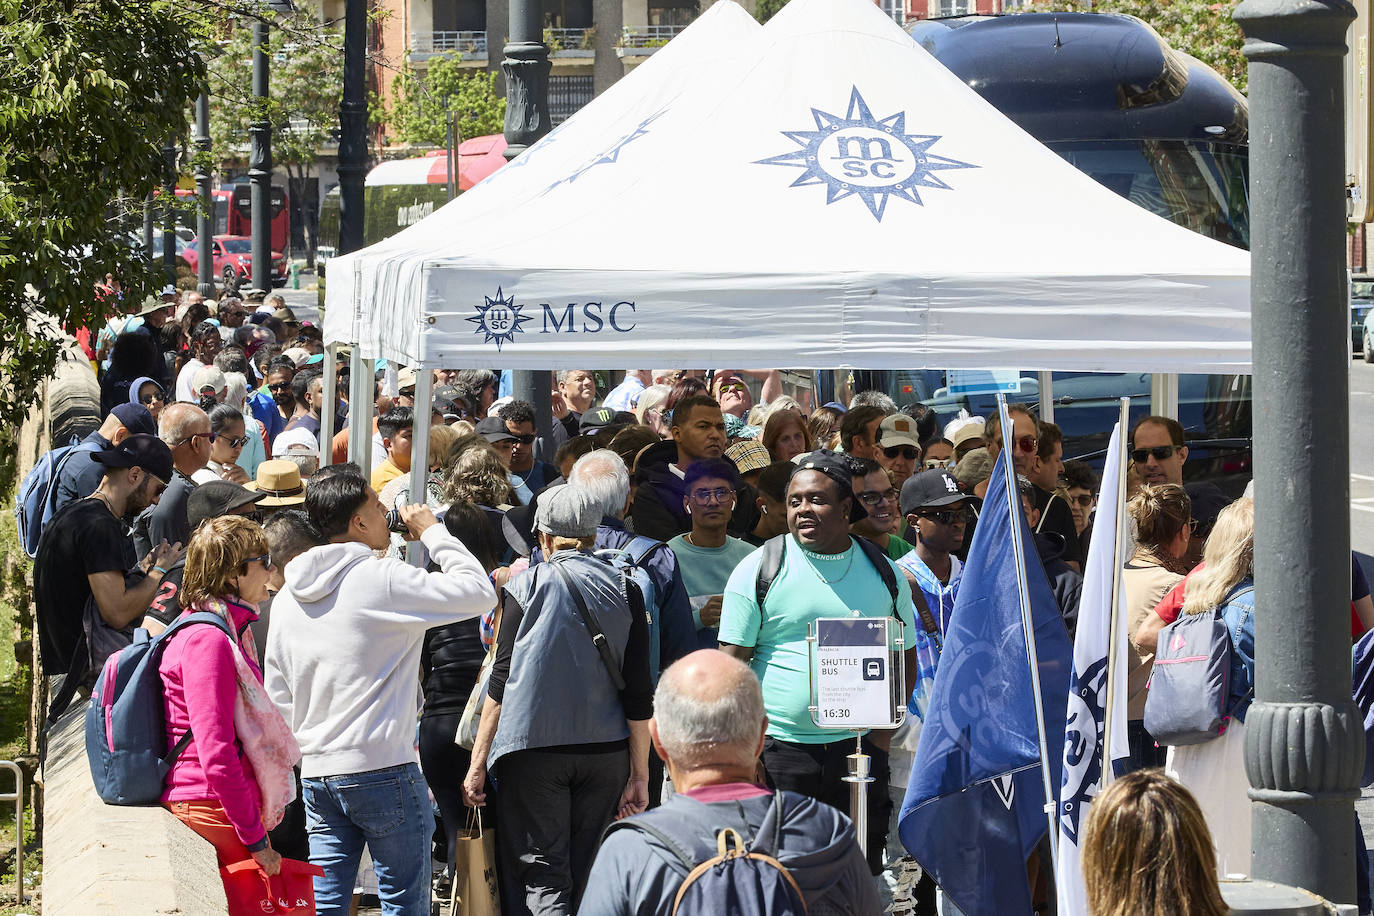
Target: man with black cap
pixel 817 570
pixel 937 511
pixel 519 419
pixel 79 473
pixel 506 443
pixel 209 500
pixel 85 556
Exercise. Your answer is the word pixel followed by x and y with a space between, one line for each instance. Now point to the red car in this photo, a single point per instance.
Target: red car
pixel 233 261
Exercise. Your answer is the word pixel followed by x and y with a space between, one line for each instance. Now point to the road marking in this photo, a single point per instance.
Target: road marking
pixel 1363 499
pixel 1361 477
pixel 1362 508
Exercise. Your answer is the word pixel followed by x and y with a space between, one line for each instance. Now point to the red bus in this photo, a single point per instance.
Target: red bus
pixel 233 215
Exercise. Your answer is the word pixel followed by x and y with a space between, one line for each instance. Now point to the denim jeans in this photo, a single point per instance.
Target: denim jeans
pixel 389 811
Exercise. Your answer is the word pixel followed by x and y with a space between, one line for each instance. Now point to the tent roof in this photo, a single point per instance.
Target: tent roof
pixel 817 192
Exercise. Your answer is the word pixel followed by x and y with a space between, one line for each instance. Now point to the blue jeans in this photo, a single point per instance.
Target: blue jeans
pixel 389 811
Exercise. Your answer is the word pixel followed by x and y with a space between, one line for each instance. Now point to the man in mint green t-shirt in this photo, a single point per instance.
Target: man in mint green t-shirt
pixel 824 574
pixel 706 555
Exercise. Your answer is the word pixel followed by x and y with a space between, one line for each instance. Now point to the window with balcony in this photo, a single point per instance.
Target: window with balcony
pixel 896 9
pixel 567 14
pixel 460 16
pixel 954 8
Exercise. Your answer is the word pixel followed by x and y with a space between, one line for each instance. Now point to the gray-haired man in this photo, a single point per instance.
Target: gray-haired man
pixel 709 727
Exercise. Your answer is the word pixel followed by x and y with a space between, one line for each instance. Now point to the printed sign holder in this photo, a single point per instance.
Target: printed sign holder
pixel 859 662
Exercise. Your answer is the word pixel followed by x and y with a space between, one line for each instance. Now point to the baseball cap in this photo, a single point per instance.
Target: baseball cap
pixel 493 429
pixel 749 455
pixel 974 468
pixel 405 378
pixel 139 451
pixel 837 468
pixel 972 428
pixel 595 419
pixel 299 439
pixel 929 490
pixel 898 429
pixel 135 418
pixel 567 511
pixel 285 314
pixel 218 497
pixel 297 355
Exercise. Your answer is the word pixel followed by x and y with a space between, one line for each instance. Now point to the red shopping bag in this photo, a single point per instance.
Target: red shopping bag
pixel 250 891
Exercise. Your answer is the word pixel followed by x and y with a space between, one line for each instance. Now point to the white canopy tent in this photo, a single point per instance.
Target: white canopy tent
pixel 818 192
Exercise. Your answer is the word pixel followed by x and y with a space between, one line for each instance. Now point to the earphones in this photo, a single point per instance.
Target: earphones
pixel 689 510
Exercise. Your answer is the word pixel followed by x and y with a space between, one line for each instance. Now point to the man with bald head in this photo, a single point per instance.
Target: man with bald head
pixel 185 428
pixel 708 727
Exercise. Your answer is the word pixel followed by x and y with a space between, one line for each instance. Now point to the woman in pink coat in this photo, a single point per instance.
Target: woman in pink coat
pixel 233 779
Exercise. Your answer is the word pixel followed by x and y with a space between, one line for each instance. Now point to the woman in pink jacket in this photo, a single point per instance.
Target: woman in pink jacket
pixel 232 781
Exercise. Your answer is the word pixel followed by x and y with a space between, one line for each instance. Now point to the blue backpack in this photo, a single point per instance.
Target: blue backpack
pixel 34 504
pixel 126 728
pixel 629 559
pixel 740 879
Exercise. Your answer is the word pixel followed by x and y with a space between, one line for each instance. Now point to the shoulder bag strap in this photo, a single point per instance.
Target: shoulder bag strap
pixel 603 647
pixel 880 562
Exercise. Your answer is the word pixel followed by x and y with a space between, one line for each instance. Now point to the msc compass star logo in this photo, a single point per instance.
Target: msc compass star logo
pixel 611 155
pixel 865 156
pixel 499 319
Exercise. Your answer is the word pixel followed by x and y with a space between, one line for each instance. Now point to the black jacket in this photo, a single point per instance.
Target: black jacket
pixel 1066 584
pixel 657 511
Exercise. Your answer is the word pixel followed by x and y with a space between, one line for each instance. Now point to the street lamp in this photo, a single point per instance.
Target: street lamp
pixel 260 151
pixel 169 213
pixel 1304 742
pixel 205 269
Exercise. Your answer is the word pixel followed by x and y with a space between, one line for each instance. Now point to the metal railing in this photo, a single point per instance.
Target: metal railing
pixel 17 796
pixel 648 36
pixel 440 42
pixel 569 39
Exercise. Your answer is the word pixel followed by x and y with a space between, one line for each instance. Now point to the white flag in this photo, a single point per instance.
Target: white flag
pixel 1085 726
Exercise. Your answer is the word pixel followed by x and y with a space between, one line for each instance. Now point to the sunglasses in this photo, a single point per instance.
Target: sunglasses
pixel 873 498
pixel 906 451
pixel 733 386
pixel 706 497
pixel 150 398
pixel 1159 453
pixel 1084 500
pixel 945 517
pixel 1026 445
pixel 235 442
pixel 932 464
pixel 524 438
pixel 194 436
pixel 265 561
pixel 280 386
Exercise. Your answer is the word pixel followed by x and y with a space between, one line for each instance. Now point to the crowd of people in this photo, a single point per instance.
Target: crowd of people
pixel 605 648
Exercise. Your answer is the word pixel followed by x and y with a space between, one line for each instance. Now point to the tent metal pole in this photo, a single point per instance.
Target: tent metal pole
pixel 1028 624
pixel 1046 380
pixel 419 452
pixel 359 411
pixel 330 408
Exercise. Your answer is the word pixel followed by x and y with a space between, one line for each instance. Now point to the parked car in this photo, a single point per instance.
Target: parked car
pixel 1361 301
pixel 233 261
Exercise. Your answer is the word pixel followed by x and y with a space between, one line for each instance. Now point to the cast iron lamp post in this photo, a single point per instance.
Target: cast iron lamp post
pixel 260 152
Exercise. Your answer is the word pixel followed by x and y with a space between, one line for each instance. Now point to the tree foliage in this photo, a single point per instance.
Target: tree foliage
pixel 305 83
pixel 767 9
pixel 90 90
pixel 1198 27
pixel 416 113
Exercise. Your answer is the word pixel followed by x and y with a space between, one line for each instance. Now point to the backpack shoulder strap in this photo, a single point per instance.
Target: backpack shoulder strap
pixel 639 547
pixel 770 563
pixel 879 559
pixel 639 823
pixel 768 838
pixel 161 641
pixel 918 598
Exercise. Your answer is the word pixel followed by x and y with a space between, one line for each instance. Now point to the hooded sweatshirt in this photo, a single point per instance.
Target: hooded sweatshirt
pixel 635 875
pixel 343 652
pixel 658 511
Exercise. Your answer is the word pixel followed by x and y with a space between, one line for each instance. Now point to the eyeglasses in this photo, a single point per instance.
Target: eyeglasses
pixel 194 436
pixel 1026 445
pixel 946 517
pixel 1084 500
pixel 1159 453
pixel 906 451
pixel 873 498
pixel 718 495
pixel 150 398
pixel 935 463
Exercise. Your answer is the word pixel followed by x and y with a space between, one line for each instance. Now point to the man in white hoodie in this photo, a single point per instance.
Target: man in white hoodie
pixel 343 662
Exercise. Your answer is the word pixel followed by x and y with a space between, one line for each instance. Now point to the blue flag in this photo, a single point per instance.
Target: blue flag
pixel 974 805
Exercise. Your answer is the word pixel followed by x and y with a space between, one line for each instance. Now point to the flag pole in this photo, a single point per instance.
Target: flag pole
pixel 1115 621
pixel 1027 622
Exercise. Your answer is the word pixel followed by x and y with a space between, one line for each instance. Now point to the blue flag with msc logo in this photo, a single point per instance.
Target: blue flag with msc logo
pixel 974 805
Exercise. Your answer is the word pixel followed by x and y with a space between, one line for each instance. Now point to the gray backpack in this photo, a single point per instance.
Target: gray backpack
pixel 1191 682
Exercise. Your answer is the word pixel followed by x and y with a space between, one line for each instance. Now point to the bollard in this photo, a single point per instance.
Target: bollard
pixel 17 796
pixel 1265 898
pixel 295 275
pixel 858 779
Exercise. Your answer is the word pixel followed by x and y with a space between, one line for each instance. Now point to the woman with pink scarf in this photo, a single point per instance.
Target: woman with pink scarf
pixel 232 782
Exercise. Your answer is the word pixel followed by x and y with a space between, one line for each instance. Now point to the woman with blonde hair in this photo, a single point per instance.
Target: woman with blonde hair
pixel 1162 516
pixel 397 491
pixel 1215 770
pixel 1147 851
pixel 233 778
pixel 786 435
pixel 478 476
pixel 651 408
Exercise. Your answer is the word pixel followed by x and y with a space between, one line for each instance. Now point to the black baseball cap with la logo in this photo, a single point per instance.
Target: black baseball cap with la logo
pixel 930 490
